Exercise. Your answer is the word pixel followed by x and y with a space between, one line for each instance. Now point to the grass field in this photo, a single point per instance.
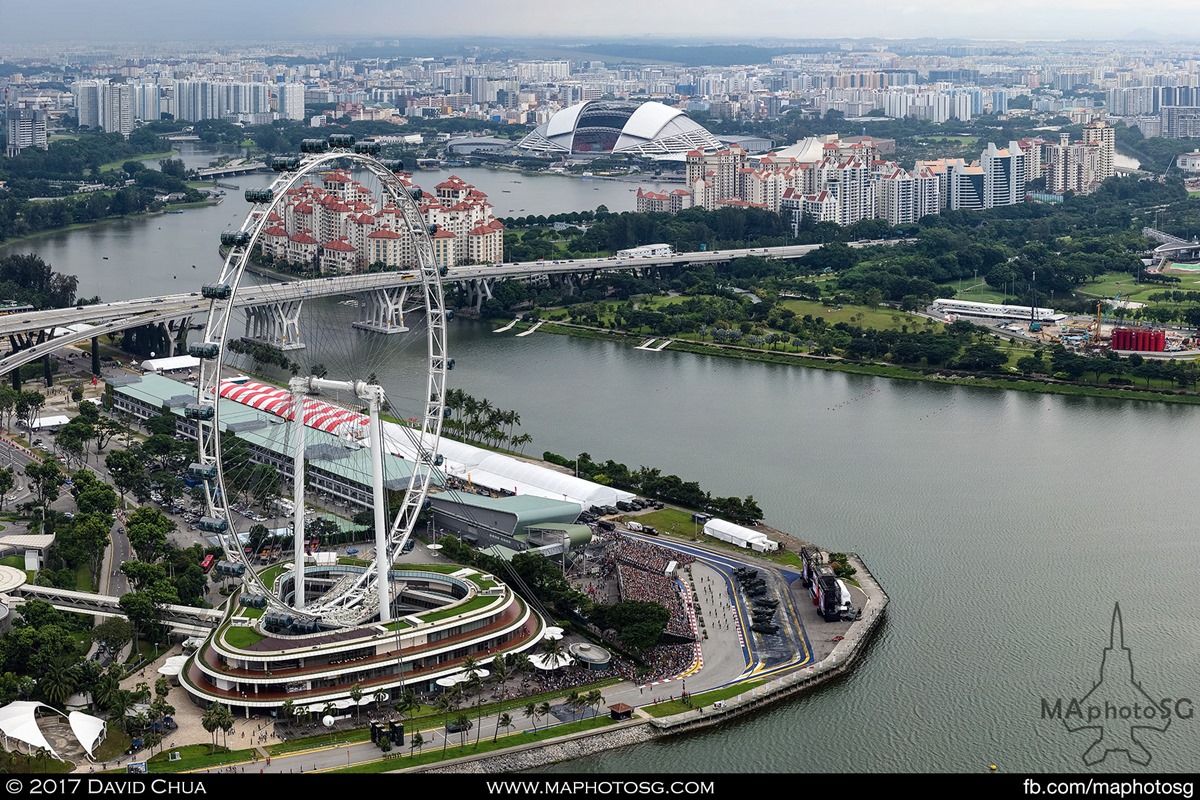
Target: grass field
pixel 433 754
pixel 239 636
pixel 196 756
pixel 962 140
pixel 679 523
pixel 703 699
pixel 1110 283
pixel 112 165
pixel 880 318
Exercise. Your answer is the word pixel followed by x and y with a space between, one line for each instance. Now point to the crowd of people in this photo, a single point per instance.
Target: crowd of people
pixel 636 584
pixel 647 556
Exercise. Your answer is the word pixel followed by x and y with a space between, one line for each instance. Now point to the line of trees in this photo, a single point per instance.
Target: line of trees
pixel 650 482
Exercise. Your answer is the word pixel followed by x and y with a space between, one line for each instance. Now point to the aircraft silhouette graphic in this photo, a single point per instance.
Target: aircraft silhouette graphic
pixel 1117 689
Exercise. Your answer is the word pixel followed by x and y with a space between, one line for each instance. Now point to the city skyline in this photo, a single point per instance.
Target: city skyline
pixel 223 20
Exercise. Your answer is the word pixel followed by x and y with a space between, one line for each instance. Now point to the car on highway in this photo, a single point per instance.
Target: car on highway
pixel 457 726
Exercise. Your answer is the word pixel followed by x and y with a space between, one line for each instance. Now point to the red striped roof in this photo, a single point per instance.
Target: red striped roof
pixel 317 413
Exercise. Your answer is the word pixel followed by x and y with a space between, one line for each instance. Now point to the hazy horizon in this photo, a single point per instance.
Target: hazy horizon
pixel 309 20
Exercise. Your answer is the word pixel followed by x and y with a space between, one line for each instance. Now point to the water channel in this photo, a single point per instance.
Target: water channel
pixel 1004 525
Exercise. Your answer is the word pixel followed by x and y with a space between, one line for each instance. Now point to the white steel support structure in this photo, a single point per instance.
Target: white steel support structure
pixel 299 390
pixel 350 605
pixel 384 310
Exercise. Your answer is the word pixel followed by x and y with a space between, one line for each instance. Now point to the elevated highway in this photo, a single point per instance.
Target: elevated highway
pixel 83 322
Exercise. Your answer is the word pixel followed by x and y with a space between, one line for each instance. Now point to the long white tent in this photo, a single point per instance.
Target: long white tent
pixel 742 537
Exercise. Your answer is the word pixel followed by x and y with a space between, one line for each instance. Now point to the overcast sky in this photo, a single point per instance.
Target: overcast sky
pixel 569 20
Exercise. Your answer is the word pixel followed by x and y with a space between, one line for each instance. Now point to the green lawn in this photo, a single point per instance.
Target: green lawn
pixel 980 293
pixel 239 636
pixel 962 140
pixel 1108 284
pixel 196 756
pixel 112 165
pixel 880 318
pixel 432 754
pixel 679 523
pixel 703 699
pixel 471 605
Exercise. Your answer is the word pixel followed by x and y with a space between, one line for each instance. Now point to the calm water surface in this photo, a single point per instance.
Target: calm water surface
pixel 1003 525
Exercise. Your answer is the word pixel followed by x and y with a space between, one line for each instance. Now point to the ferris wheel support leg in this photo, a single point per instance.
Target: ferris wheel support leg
pixel 382 558
pixel 298 497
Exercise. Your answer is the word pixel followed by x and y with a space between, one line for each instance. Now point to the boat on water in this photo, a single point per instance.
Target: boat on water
pixel 177 211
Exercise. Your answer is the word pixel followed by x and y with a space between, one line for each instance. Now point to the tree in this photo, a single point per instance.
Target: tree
pixel 140 608
pixel 8 479
pixel 504 721
pixel 211 721
pixel 47 478
pixel 531 712
pixel 113 634
pixel 543 710
pixel 416 742
pixel 356 694
pixel 58 681
pixel 447 702
pixel 128 472
pixel 407 703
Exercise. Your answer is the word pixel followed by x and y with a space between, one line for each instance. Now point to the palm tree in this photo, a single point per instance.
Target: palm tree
pixel 356 694
pixel 464 725
pixel 446 703
pixel 531 711
pixel 210 721
pixel 553 649
pixel 379 696
pixel 574 701
pixel 417 741
pixel 521 664
pixel 226 717
pixel 58 681
pixel 594 699
pixel 406 703
pixel 543 710
pixel 499 675
pixel 504 721
pixel 106 690
pixel 287 711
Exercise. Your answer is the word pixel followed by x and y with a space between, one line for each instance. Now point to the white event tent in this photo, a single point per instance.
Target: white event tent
pixel 742 537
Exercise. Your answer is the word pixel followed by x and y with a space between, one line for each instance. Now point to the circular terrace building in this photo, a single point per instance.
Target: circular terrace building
pixel 597 127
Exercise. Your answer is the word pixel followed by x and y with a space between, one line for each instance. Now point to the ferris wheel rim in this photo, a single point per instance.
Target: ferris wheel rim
pixel 216 330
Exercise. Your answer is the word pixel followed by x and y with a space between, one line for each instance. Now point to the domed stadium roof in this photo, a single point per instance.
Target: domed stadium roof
pixel 596 127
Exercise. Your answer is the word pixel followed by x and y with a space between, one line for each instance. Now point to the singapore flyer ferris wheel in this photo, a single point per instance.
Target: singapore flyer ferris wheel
pixel 321 389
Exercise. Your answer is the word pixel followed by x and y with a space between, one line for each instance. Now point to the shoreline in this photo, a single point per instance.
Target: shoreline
pixel 943 375
pixel 645 728
pixel 78 226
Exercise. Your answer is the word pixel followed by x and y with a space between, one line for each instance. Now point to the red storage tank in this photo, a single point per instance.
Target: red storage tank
pixel 1126 339
pixel 1160 341
pixel 1120 339
pixel 1142 338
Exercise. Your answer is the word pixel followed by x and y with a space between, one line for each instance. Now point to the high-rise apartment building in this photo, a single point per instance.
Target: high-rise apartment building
pixel 1003 175
pixel 1104 136
pixel 88 102
pixel 117 109
pixel 26 128
pixel 290 100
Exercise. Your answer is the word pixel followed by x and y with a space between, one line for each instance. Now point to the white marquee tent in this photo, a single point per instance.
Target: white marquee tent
pixel 742 537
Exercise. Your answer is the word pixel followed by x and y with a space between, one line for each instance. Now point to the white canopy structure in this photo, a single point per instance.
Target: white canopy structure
pixel 88 730
pixel 498 471
pixel 18 720
pixel 173 666
pixel 170 364
pixel 552 632
pixel 742 537
pixel 547 662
